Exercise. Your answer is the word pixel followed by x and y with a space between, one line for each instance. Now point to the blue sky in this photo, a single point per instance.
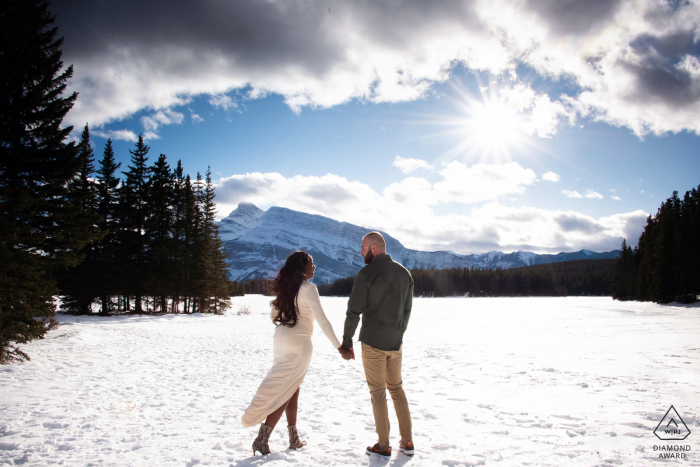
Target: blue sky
pixel 443 146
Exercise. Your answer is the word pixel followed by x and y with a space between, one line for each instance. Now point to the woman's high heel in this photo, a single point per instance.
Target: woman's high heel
pixel 294 441
pixel 260 443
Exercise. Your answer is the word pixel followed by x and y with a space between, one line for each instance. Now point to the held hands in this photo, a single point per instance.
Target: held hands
pixel 347 354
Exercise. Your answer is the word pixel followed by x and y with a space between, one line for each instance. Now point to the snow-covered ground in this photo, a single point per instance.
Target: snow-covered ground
pixel 491 381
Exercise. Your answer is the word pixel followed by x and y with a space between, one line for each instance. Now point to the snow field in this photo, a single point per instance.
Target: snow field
pixel 491 381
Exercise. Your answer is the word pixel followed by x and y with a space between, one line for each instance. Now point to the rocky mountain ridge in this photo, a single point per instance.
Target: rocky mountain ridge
pixel 258 242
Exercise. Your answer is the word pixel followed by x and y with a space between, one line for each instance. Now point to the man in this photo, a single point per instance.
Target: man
pixel 383 294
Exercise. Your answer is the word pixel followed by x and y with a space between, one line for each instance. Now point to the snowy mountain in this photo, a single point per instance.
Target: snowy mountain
pixel 258 242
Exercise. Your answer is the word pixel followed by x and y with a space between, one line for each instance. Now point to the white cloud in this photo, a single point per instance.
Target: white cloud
pixel 410 165
pixel 551 177
pixel 405 210
pixel 196 118
pixel 593 194
pixel 613 190
pixel 571 194
pixel 545 117
pixel 125 135
pixel 632 63
pixel 223 101
pixel 161 117
pixel 641 192
pixel 616 198
pixel 481 182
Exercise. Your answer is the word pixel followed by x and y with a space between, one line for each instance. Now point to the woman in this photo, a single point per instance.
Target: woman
pixel 293 311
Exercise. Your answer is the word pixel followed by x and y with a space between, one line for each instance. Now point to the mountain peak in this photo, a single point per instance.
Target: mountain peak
pixel 246 208
pixel 245 217
pixel 258 243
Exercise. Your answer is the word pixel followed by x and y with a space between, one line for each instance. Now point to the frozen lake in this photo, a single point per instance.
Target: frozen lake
pixel 491 381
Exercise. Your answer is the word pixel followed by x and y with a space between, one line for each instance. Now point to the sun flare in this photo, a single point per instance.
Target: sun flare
pixel 491 128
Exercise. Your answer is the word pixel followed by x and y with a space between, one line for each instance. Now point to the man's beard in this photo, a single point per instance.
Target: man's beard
pixel 369 257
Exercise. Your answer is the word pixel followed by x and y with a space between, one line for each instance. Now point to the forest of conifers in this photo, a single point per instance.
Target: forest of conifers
pixel 582 277
pixel 158 246
pixel 665 264
pixel 145 243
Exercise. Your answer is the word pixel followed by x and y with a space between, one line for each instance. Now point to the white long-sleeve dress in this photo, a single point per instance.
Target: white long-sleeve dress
pixel 292 356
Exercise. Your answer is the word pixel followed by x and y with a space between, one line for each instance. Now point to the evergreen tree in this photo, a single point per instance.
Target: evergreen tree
pixel 40 225
pixel 645 262
pixel 624 279
pixel 78 285
pixel 663 287
pixel 158 230
pixel 110 272
pixel 215 289
pixel 191 259
pixel 179 242
pixel 135 212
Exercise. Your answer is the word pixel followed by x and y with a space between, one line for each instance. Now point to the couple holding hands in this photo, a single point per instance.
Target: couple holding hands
pixel 382 293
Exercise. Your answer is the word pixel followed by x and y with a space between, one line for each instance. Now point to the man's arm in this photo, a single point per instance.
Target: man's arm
pixel 358 297
pixel 408 305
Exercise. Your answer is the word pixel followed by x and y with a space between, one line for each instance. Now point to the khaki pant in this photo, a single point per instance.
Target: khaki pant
pixel 383 371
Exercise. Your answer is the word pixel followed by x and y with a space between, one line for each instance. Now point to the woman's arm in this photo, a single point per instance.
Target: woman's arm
pixel 314 302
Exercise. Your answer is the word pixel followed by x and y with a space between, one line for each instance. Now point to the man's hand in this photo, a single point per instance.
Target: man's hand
pixel 347 354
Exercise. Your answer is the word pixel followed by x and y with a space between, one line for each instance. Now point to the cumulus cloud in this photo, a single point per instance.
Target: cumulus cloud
pixel 571 194
pixel 628 63
pixel 551 177
pixel 223 101
pixel 593 194
pixel 125 135
pixel 162 117
pixel 481 182
pixel 616 198
pixel 405 210
pixel 410 165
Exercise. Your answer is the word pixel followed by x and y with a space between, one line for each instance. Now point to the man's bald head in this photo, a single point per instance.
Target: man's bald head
pixel 375 238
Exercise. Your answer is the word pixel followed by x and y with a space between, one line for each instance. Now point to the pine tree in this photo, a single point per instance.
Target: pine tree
pixel 158 230
pixel 688 247
pixel 108 249
pixel 215 289
pixel 78 285
pixel 624 279
pixel 134 215
pixel 646 264
pixel 40 226
pixel 663 288
pixel 191 259
pixel 177 235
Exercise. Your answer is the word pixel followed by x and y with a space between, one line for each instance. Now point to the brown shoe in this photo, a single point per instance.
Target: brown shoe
pixel 260 443
pixel 406 447
pixel 377 449
pixel 294 441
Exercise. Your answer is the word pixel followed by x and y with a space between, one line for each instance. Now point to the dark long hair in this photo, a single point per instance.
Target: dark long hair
pixel 286 288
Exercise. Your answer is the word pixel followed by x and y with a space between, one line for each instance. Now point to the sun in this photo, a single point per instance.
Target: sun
pixel 491 128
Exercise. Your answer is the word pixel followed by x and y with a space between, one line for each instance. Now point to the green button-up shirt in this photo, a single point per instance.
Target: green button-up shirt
pixel 383 294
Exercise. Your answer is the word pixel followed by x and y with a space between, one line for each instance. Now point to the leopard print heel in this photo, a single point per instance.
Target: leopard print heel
pixel 294 441
pixel 260 443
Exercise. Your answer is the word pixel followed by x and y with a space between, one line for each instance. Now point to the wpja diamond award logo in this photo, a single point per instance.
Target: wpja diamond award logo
pixel 672 428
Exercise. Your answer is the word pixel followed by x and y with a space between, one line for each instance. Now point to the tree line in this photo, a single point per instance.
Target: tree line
pixel 580 277
pixel 144 243
pixel 159 248
pixel 665 264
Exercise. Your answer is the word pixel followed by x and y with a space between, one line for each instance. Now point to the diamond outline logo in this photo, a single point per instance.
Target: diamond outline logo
pixel 672 421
